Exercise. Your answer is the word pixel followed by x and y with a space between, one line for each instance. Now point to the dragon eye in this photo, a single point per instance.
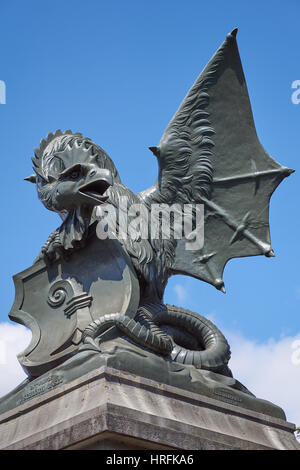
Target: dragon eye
pixel 71 173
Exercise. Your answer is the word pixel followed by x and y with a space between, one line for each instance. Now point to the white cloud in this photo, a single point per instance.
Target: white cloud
pixel 180 291
pixel 270 370
pixel 13 339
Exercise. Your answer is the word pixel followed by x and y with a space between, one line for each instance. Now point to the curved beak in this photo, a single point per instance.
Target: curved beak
pixel 94 191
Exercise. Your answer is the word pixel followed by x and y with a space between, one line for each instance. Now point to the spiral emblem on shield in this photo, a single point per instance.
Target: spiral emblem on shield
pixel 59 292
pixel 57 297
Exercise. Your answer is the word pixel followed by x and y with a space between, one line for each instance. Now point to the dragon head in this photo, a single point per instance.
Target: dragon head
pixel 71 172
pixel 73 175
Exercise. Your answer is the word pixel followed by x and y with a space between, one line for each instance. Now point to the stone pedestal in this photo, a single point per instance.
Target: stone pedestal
pixel 109 409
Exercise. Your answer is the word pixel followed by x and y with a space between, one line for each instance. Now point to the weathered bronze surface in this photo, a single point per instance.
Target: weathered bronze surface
pixel 92 302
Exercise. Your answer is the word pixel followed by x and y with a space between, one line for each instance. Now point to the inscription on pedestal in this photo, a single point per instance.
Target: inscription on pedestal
pixel 43 386
pixel 223 395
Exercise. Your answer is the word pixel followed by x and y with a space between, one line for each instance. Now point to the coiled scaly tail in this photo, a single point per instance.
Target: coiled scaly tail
pixel 187 337
pixel 143 332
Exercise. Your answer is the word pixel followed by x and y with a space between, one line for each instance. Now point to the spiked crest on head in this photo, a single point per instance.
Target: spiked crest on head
pixel 66 146
pixel 39 153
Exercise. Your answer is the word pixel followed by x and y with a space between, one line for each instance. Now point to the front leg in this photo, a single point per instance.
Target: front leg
pixel 51 249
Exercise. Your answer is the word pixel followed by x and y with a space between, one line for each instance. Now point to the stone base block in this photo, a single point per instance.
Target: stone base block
pixel 109 409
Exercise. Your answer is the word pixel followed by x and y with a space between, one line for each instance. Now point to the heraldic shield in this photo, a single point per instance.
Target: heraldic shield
pixel 58 301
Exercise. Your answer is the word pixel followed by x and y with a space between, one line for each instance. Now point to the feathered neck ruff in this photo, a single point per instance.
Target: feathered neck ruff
pixel 74 230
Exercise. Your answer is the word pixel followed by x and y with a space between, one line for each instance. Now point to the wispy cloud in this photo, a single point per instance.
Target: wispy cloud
pixel 180 291
pixel 13 339
pixel 270 369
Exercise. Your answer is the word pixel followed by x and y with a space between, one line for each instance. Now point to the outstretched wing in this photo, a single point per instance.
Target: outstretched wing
pixel 210 154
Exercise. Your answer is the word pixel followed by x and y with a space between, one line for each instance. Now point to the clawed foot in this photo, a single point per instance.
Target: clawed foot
pixel 52 249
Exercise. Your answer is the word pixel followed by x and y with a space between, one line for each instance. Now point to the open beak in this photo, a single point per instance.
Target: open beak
pixel 94 192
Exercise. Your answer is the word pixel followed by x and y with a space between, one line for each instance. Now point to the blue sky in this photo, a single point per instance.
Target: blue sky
pixel 117 71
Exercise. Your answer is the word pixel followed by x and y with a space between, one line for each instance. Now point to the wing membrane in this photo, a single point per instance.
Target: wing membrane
pixel 210 154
